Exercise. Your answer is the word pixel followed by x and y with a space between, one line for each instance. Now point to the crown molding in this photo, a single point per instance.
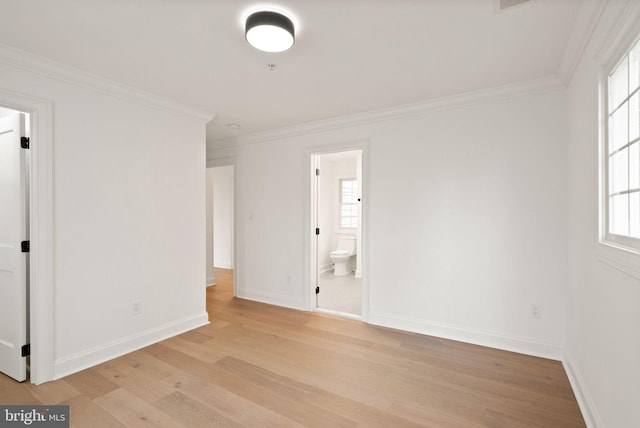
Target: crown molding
pixel 586 22
pixel 549 83
pixel 620 35
pixel 23 60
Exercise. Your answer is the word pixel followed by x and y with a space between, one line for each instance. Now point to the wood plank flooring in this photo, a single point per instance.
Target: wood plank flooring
pixel 258 365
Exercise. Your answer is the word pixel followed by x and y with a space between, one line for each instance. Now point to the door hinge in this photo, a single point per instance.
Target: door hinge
pixel 25 246
pixel 318 290
pixel 24 142
pixel 317 171
pixel 26 350
pixel 317 231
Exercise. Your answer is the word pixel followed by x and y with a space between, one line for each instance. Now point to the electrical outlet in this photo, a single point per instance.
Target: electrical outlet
pixel 136 307
pixel 536 311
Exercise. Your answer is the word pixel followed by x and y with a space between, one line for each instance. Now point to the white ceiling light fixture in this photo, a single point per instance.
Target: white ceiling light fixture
pixel 269 31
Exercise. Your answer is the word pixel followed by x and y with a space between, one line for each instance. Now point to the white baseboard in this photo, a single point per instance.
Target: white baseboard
pixel 211 280
pixel 223 264
pixel 588 409
pixel 522 345
pixel 272 299
pixel 83 360
pixel 326 268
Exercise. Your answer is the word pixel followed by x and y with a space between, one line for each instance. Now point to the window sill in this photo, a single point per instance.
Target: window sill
pixel 620 257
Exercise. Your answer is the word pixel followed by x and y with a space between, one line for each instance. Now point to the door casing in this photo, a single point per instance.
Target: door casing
pixel 310 256
pixel 41 280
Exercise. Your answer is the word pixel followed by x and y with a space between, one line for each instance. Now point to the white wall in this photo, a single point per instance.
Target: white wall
pixel 331 171
pixel 223 217
pixel 129 215
pixel 603 344
pixel 211 280
pixel 482 231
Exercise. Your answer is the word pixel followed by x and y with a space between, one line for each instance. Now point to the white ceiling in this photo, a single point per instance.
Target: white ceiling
pixel 350 56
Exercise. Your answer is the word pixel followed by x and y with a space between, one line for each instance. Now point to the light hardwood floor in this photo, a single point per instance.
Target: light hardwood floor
pixel 257 365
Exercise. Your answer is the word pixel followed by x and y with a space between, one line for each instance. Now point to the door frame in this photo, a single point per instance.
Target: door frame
pixel 310 256
pixel 237 263
pixel 41 279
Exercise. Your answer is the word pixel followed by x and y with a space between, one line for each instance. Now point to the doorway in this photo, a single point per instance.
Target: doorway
pixel 337 216
pixel 220 221
pixel 223 245
pixel 40 196
pixel 15 133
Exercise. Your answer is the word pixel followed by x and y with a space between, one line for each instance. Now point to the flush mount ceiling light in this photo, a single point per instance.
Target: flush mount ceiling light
pixel 269 31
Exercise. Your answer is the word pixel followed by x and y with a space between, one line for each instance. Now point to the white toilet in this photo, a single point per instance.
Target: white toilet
pixel 341 255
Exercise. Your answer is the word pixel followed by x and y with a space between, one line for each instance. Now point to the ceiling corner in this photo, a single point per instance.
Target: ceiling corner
pixel 583 28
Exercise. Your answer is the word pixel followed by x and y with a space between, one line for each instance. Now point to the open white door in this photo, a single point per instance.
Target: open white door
pixel 13 262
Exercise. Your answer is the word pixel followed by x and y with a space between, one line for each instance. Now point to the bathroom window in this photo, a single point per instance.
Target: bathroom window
pixel 621 151
pixel 348 203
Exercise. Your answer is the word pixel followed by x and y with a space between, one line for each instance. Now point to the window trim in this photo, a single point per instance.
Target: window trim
pixel 340 203
pixel 624 241
pixel 619 251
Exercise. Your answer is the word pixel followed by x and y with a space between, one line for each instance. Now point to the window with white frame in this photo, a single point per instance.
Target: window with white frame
pixel 348 203
pixel 621 151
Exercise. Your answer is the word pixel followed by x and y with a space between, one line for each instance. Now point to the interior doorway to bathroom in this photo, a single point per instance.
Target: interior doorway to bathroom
pixel 338 224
